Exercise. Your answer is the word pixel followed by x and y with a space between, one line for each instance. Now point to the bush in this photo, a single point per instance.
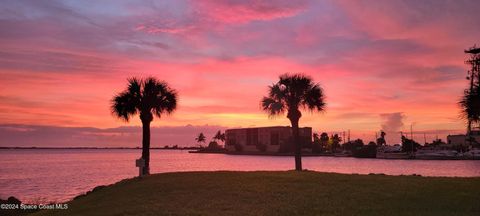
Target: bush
pixel 213 146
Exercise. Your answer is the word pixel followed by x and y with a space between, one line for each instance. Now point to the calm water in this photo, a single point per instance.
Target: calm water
pixel 59 175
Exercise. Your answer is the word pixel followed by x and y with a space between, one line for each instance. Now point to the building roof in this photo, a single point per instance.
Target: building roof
pixel 269 127
pixel 456 135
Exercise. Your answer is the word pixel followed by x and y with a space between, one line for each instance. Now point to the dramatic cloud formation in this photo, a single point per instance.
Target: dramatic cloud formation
pixel 392 123
pixel 62 61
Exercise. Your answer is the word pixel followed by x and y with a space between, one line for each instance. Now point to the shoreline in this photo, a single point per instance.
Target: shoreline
pixel 99 187
pixel 193 192
pixel 96 148
pixel 321 155
pixel 197 150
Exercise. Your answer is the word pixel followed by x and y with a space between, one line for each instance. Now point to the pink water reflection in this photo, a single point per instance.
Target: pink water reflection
pixel 59 175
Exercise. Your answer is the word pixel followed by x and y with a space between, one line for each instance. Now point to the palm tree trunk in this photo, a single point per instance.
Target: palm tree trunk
pixel 146 146
pixel 298 145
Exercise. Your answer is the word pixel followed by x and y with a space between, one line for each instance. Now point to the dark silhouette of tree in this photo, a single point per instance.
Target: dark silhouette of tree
pixel 381 140
pixel 470 101
pixel 436 143
pixel 316 137
pixel 336 142
pixel 201 138
pixel 359 142
pixel 324 140
pixel 289 94
pixel 147 97
pixel 316 146
pixel 213 146
pixel 409 145
pixel 219 136
pixel 353 145
pixel 470 104
pixel 365 151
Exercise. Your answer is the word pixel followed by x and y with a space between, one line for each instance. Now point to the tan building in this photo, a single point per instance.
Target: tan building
pixel 266 139
pixel 460 139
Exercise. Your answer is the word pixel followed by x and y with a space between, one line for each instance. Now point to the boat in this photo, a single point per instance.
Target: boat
pixel 429 154
pixel 392 152
pixel 343 154
pixel 472 154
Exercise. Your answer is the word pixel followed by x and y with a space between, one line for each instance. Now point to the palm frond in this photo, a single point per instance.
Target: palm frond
pixel 134 86
pixel 145 97
pixel 470 105
pixel 165 101
pixel 314 99
pixel 277 92
pixel 124 105
pixel 272 106
pixel 293 91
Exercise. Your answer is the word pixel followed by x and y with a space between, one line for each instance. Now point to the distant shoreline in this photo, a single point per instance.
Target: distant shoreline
pixel 101 148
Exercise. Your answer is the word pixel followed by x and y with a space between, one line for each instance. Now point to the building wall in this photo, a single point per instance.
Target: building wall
pixel 271 137
pixel 456 139
pixel 461 139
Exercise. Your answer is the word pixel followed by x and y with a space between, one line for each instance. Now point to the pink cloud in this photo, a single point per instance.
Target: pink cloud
pixel 234 11
pixel 436 23
pixel 155 28
pixel 371 58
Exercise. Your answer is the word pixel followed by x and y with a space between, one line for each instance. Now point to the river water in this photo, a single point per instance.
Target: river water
pixel 57 175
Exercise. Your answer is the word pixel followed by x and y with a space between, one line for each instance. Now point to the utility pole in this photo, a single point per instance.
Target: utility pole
pixel 348 135
pixel 424 138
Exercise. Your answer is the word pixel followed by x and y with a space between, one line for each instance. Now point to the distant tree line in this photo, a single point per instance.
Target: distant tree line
pixel 213 144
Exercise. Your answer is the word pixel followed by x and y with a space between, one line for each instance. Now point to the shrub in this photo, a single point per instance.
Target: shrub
pixel 213 146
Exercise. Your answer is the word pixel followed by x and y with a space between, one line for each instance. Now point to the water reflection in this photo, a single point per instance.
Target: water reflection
pixel 59 175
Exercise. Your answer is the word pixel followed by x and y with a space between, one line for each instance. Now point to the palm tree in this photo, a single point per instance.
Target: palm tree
pixel 289 94
pixel 147 97
pixel 324 138
pixel 381 140
pixel 316 136
pixel 335 142
pixel 201 138
pixel 219 136
pixel 470 104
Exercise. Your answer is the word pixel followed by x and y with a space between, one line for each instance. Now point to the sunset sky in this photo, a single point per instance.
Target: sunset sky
pixel 382 64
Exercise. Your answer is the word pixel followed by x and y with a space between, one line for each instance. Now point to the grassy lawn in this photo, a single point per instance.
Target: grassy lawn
pixel 280 193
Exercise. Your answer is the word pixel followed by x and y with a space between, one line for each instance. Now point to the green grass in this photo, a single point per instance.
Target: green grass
pixel 280 193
